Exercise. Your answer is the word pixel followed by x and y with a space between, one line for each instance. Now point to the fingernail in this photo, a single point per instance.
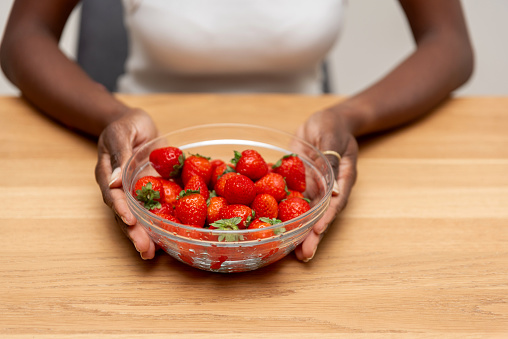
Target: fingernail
pixel 114 176
pixel 136 247
pixel 124 220
pixel 141 254
pixel 335 190
pixel 312 256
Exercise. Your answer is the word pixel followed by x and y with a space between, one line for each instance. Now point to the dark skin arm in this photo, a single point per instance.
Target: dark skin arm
pixel 441 62
pixel 47 78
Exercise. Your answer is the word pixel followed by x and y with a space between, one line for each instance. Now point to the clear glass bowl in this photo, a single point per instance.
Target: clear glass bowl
pixel 205 248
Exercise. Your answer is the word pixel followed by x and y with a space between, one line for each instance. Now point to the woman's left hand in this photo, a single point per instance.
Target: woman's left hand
pixel 328 130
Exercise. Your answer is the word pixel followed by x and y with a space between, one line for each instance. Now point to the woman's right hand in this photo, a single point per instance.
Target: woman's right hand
pixel 117 143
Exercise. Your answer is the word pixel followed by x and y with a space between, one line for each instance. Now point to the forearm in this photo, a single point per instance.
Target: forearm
pixel 442 62
pixel 57 86
pixel 32 60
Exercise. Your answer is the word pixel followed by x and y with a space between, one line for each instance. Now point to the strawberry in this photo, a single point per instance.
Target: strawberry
pixel 216 162
pixel 294 194
pixel 196 165
pixel 194 234
pixel 215 204
pixel 231 224
pixel 273 184
pixel 167 227
pixel 190 208
pixel 264 205
pixel 219 171
pixel 163 211
pixel 291 167
pixel 270 167
pixel 239 189
pixel 149 190
pixel 196 183
pixel 245 213
pixel 262 223
pixel 167 161
pixel 221 183
pixel 171 191
pixel 250 163
pixel 292 208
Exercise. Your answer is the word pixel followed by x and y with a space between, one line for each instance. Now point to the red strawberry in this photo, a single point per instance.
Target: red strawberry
pixel 194 234
pixel 262 223
pixel 291 167
pixel 272 184
pixel 292 208
pixel 163 211
pixel 215 204
pixel 264 205
pixel 167 227
pixel 245 213
pixel 239 189
pixel 221 183
pixel 219 171
pixel 196 183
pixel 171 191
pixel 270 167
pixel 294 194
pixel 216 162
pixel 190 208
pixel 149 190
pixel 250 163
pixel 196 165
pixel 231 224
pixel 167 161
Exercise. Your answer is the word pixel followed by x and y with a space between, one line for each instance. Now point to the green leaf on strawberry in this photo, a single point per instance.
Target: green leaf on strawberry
pixel 212 194
pixel 149 196
pixel 274 221
pixel 228 225
pixel 278 163
pixel 184 193
pixel 202 156
pixel 237 157
pixel 177 167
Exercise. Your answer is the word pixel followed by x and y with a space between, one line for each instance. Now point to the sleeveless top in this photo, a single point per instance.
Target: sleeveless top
pixel 228 46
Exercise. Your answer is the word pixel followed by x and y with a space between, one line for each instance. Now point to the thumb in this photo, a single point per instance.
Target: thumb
pixel 118 159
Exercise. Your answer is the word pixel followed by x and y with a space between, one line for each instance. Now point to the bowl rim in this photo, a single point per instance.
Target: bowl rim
pixel 246 231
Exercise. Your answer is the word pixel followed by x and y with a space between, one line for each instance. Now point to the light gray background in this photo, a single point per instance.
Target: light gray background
pixel 375 38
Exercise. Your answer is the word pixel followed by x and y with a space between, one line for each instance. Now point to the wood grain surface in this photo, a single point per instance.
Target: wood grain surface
pixel 420 251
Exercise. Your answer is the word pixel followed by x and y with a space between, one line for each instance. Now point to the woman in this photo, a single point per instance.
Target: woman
pixel 281 54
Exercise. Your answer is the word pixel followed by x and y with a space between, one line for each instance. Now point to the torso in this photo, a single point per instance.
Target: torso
pixel 228 45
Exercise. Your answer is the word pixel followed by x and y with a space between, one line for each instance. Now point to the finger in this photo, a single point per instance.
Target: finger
pixel 113 197
pixel 140 239
pixel 334 159
pixel 344 183
pixel 119 151
pixel 346 178
pixel 307 249
pixel 150 254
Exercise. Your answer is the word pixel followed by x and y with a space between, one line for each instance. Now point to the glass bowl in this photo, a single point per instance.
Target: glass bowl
pixel 207 249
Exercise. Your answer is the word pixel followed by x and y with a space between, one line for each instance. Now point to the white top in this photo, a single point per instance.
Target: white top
pixel 228 45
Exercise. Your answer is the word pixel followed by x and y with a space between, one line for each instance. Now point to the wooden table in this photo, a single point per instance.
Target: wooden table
pixel 420 251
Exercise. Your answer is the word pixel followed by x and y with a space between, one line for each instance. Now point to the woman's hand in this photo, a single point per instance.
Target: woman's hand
pixel 329 130
pixel 116 144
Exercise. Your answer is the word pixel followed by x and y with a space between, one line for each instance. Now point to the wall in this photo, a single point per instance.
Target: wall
pixel 376 36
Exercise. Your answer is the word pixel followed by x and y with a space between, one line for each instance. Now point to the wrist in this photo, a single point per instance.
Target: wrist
pixel 354 116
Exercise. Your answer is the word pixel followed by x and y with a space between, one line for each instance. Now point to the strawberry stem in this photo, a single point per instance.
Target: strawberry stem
pixel 228 225
pixel 149 197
